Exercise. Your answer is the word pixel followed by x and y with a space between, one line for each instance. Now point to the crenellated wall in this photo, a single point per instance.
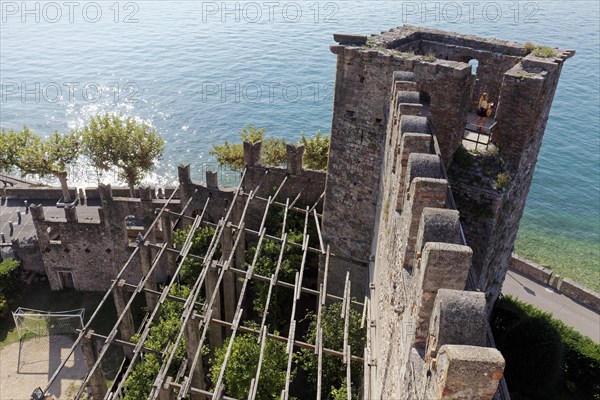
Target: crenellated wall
pixel 86 254
pixel 303 187
pixel 365 70
pixel 427 336
pixel 433 66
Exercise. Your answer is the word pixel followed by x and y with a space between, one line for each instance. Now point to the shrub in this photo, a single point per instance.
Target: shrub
pixel 316 151
pixel 581 365
pixel 273 150
pixel 242 364
pixel 463 158
pixel 231 155
pixel 4 308
pixel 334 371
pixel 266 264
pixel 191 268
pixel 543 51
pixel 502 181
pixel 141 379
pixel 533 352
pixel 9 273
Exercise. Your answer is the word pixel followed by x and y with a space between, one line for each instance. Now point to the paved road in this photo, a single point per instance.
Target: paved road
pixel 562 307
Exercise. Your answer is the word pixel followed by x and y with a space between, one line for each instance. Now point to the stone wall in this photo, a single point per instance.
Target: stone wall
pixel 424 331
pixel 360 118
pixel 303 187
pixel 566 286
pixel 35 193
pixel 522 114
pixel 88 254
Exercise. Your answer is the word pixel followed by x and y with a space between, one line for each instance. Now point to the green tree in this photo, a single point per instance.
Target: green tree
pixel 242 364
pixel 316 151
pixel 131 146
pixel 191 267
pixel 273 151
pixel 50 156
pixel 266 264
pixel 144 373
pixel 9 273
pixel 11 144
pixel 334 371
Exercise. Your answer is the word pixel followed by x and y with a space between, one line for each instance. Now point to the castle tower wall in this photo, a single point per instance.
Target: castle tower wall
pixel 491 217
pixel 361 115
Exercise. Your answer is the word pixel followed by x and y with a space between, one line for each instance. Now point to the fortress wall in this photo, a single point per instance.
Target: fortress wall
pixel 480 210
pixel 35 193
pixel 94 251
pixel 449 87
pixel 360 119
pixel 521 161
pixel 28 252
pixel 310 184
pixel 492 64
pixel 405 311
pixel 86 250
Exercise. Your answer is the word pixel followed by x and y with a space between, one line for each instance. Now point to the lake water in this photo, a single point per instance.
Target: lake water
pixel 200 71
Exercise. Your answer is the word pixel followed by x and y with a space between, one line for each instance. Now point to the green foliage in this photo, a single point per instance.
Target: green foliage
pixel 581 366
pixel 316 151
pixel 144 373
pixel 124 143
pixel 242 365
pixel 334 371
pixel 341 393
pixel 231 155
pixel 529 46
pixel 9 273
pixel 502 181
pixel 273 150
pixel 140 381
pixel 266 265
pixel 4 308
pixel 202 237
pixel 534 355
pixel 463 158
pixel 11 145
pixel 543 51
pixel 50 156
pixel 33 155
pixel 430 57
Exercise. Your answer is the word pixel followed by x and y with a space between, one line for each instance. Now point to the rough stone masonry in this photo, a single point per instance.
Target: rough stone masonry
pixel 428 271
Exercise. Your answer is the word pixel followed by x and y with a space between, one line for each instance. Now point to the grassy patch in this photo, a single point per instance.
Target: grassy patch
pixel 543 51
pixel 529 46
pixel 40 297
pixel 429 57
pixel 502 181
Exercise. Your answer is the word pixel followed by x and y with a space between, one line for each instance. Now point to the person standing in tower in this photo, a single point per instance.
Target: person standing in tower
pixel 484 111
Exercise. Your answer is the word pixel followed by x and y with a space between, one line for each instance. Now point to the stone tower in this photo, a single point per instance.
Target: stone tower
pixel 437 65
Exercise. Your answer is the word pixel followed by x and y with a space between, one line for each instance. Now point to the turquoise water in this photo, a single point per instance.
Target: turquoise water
pixel 199 76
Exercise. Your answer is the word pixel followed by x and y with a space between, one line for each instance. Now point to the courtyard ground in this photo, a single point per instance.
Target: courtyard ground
pixel 26 365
